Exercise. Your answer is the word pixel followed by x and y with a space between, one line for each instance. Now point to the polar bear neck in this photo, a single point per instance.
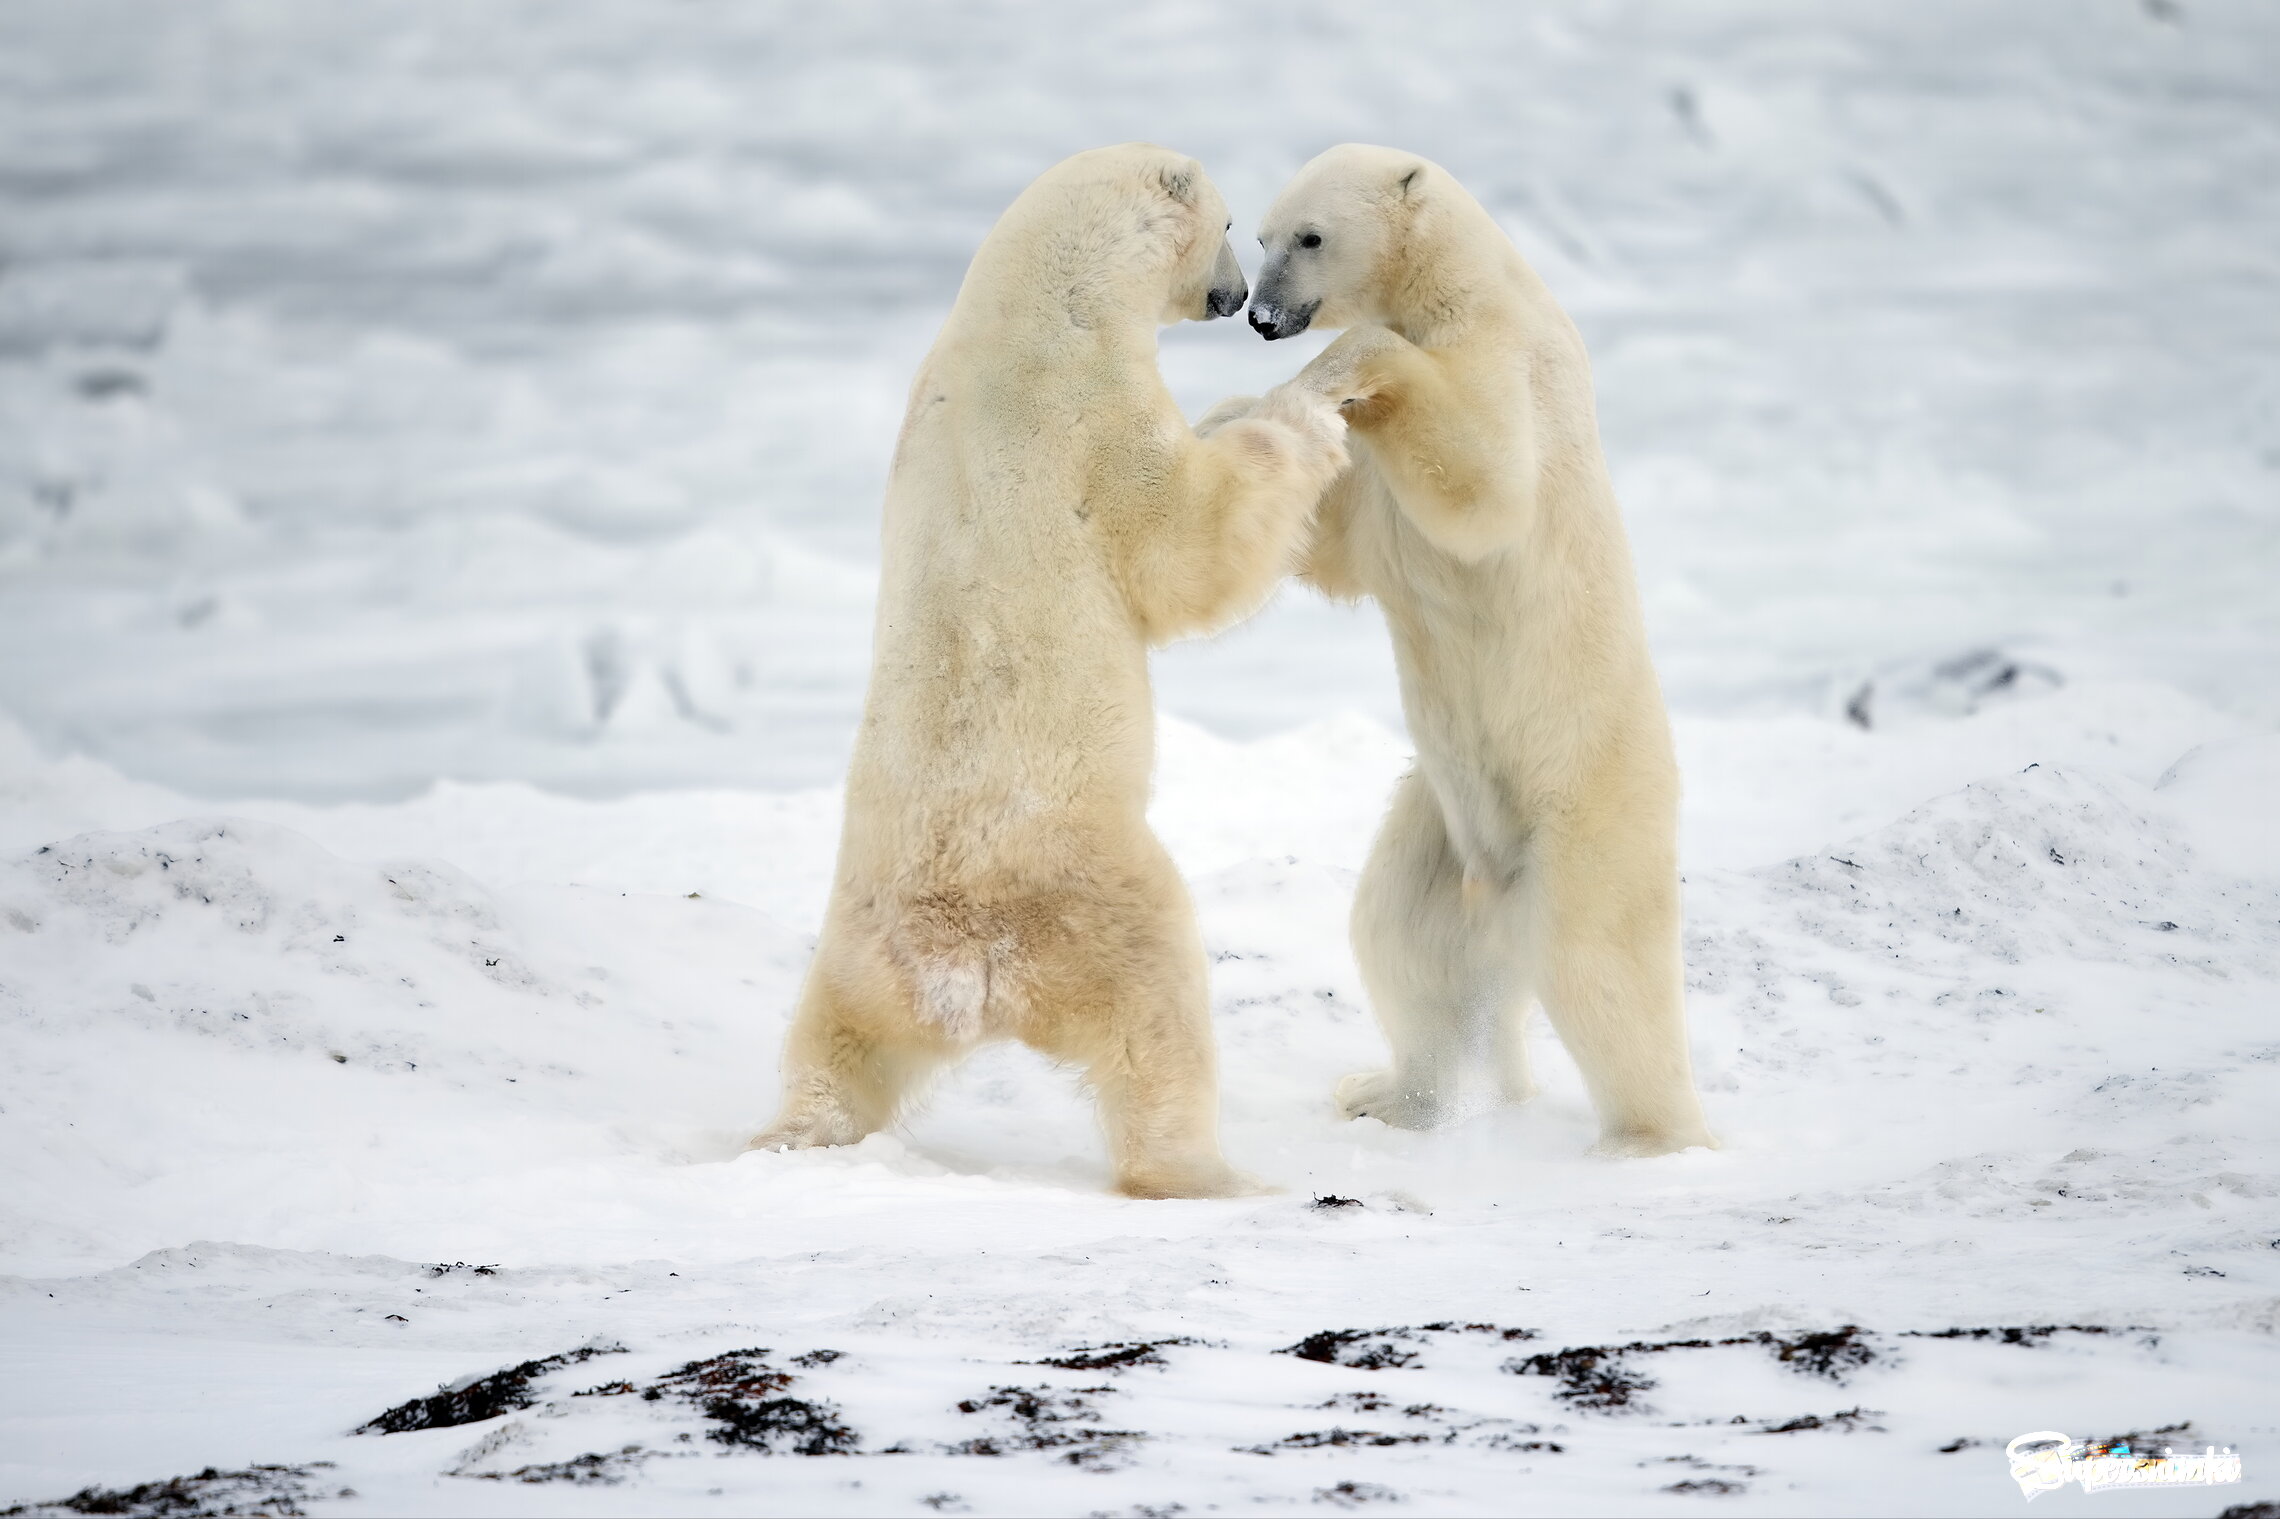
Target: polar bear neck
pixel 1456 278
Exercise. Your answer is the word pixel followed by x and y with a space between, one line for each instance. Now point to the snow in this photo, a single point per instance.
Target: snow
pixel 439 450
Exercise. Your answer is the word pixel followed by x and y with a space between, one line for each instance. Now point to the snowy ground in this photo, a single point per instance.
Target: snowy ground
pixel 438 460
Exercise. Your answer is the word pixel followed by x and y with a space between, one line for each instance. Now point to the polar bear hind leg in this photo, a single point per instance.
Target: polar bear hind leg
pixel 1614 983
pixel 1125 997
pixel 853 1056
pixel 1445 964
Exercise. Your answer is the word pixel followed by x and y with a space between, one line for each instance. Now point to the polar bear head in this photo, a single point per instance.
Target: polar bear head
pixel 1118 230
pixel 1337 236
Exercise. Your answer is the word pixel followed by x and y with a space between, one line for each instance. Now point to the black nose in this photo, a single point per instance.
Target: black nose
pixel 1228 300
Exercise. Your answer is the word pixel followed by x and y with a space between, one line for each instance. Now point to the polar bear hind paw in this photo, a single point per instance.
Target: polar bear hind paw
pixel 1639 1144
pixel 809 1131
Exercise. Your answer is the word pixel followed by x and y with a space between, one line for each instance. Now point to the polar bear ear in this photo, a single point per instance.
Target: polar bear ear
pixel 1411 180
pixel 1179 182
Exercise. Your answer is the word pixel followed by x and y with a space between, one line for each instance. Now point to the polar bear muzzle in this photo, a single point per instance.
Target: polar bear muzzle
pixel 1228 290
pixel 1271 319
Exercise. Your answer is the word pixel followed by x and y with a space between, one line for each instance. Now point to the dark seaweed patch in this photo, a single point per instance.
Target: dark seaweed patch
pixel 594 1469
pixel 1339 1438
pixel 1602 1377
pixel 481 1398
pixel 1847 1420
pixel 1444 1326
pixel 1331 1200
pixel 1833 1353
pixel 2008 1334
pixel 1120 1356
pixel 212 1493
pixel 742 1394
pixel 1594 1377
pixel 1708 1487
pixel 1048 1418
pixel 1360 1349
pixel 1355 1494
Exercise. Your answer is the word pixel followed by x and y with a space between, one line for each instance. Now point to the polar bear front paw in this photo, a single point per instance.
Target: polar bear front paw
pixel 1314 419
pixel 1378 1095
pixel 1233 409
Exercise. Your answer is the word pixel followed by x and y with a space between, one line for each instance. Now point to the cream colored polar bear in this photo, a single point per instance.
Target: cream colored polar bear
pixel 1049 516
pixel 1532 853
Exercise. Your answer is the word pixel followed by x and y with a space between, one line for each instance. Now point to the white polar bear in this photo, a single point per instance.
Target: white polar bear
pixel 1049 515
pixel 1532 853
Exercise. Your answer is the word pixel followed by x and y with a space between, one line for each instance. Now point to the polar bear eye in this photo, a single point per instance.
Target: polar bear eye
pixel 1311 240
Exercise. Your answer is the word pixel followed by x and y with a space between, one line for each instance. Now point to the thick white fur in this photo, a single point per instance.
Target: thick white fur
pixel 1049 516
pixel 1531 855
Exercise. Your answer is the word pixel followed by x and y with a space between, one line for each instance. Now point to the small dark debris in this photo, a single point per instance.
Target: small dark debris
pixel 1960 1442
pixel 446 1270
pixel 1708 1487
pixel 1355 1494
pixel 2262 1509
pixel 814 1358
pixel 340 938
pixel 482 1398
pixel 1328 1200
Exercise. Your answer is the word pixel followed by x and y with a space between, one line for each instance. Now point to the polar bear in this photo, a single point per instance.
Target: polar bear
pixel 1532 852
pixel 1049 515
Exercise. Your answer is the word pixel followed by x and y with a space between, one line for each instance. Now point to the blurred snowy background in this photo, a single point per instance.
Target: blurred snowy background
pixel 395 392
pixel 445 441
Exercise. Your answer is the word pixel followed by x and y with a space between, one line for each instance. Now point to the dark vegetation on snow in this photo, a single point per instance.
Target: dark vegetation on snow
pixel 2010 1334
pixel 1048 1418
pixel 211 1494
pixel 1377 1350
pixel 1119 1356
pixel 594 1469
pixel 1605 1378
pixel 482 1398
pixel 743 1396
